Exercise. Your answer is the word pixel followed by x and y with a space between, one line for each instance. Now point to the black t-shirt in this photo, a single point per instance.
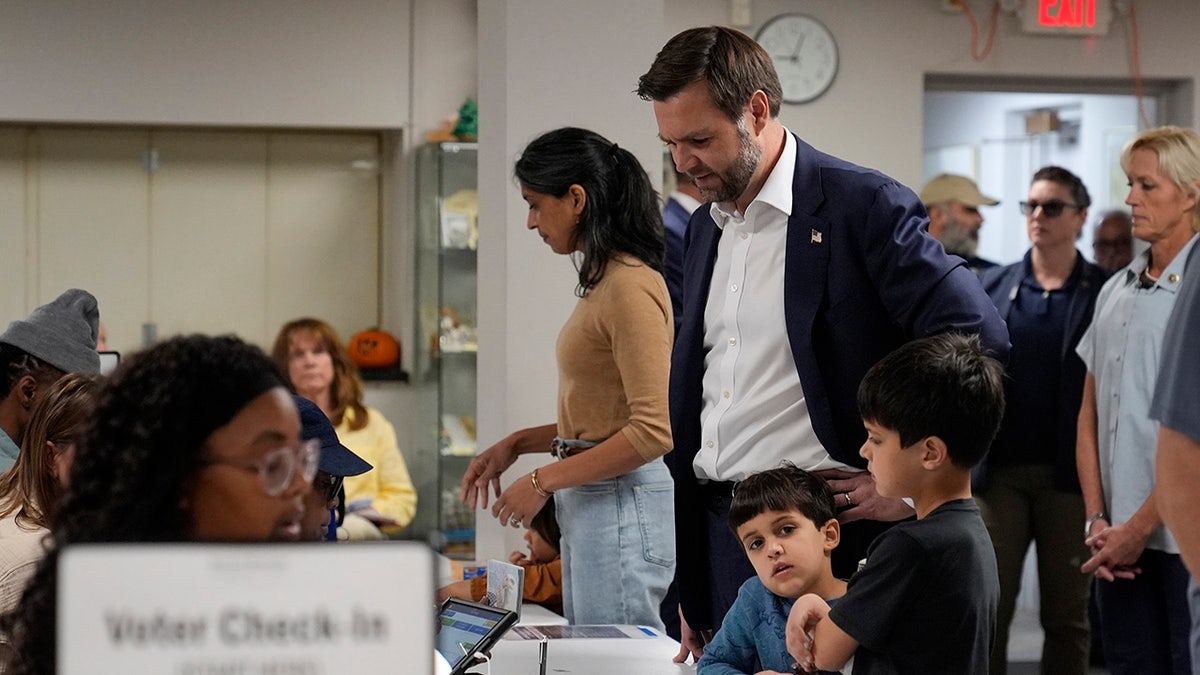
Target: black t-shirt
pixel 926 599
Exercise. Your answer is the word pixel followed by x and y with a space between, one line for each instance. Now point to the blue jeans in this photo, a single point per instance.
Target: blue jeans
pixel 618 547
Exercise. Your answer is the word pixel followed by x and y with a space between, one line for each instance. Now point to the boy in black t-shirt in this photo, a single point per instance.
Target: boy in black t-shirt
pixel 925 598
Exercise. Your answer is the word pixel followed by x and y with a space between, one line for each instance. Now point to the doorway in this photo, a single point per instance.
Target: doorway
pixel 999 131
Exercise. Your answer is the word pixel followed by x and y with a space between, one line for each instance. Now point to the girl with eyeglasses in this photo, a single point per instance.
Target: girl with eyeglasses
pixel 1028 489
pixel 193 439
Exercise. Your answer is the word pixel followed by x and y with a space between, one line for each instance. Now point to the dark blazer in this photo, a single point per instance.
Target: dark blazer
pixel 675 223
pixel 1001 283
pixel 861 277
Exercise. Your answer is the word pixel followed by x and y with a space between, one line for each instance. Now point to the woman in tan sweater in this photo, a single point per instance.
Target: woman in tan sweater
pixel 591 200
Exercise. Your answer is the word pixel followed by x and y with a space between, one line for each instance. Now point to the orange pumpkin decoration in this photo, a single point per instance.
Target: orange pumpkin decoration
pixel 374 348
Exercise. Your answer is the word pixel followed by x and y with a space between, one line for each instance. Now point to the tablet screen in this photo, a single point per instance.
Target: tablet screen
pixel 465 628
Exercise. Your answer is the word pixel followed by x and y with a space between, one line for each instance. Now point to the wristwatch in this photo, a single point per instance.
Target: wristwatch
pixel 1087 524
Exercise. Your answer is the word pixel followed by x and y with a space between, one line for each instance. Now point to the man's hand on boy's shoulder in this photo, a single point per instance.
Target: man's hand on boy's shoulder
pixel 856 498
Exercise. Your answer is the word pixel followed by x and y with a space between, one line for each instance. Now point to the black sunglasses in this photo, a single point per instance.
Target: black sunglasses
pixel 1052 208
pixel 328 484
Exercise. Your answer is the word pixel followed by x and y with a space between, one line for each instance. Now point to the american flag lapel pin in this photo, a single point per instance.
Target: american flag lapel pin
pixel 815 238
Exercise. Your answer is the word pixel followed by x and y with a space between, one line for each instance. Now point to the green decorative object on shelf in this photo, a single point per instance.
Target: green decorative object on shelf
pixel 467 128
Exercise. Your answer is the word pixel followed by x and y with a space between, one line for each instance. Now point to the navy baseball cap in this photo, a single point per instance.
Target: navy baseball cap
pixel 336 459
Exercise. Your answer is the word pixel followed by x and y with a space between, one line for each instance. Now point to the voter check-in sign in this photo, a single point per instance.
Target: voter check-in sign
pixel 232 609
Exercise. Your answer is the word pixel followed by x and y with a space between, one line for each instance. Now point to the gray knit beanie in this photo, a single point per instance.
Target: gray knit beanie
pixel 61 333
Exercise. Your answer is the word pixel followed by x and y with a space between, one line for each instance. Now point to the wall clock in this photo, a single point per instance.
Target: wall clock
pixel 804 52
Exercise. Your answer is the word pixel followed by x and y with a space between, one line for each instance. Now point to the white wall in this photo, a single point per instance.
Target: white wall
pixel 873 112
pixel 228 62
pixel 1007 157
pixel 536 74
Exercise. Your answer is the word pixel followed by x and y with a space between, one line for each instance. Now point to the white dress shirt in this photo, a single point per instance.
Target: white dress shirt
pixel 754 415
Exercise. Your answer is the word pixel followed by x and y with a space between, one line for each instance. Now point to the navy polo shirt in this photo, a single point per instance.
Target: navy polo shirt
pixel 1037 324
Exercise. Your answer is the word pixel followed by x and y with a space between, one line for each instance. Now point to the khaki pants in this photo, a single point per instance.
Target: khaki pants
pixel 1020 505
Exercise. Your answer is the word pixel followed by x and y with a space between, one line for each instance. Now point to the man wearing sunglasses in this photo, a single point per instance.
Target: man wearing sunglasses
pixel 321 503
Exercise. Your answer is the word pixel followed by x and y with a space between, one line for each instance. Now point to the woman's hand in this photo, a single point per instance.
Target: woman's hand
pixel 1115 550
pixel 485 469
pixel 517 505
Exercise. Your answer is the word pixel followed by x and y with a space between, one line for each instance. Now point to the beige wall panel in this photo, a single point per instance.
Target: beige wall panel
pixel 208 209
pixel 92 212
pixel 323 230
pixel 216 62
pixel 13 245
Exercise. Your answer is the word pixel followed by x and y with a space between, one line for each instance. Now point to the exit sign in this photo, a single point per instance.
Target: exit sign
pixel 1067 17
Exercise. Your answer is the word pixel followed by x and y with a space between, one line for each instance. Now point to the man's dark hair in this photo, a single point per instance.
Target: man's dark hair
pixel 730 62
pixel 16 363
pixel 943 385
pixel 785 488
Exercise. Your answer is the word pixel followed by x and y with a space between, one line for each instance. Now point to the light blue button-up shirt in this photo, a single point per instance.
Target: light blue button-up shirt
pixel 1121 350
pixel 8 452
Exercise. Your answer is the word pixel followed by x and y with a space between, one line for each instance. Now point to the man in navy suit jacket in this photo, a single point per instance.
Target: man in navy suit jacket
pixel 803 272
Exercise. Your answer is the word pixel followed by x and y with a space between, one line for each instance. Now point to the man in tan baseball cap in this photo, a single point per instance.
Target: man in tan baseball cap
pixel 953 204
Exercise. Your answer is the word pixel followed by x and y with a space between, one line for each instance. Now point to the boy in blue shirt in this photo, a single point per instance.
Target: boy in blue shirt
pixel 925 598
pixel 785 520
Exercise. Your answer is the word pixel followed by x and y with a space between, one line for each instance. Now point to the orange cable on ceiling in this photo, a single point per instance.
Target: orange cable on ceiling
pixel 987 49
pixel 1138 89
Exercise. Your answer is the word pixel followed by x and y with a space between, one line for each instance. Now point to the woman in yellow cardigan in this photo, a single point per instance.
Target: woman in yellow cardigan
pixel 317 366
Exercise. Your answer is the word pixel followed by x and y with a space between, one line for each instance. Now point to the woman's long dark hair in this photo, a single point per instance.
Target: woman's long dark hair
pixel 130 476
pixel 621 213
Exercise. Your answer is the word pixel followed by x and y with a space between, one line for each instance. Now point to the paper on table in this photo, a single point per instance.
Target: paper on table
pixel 581 631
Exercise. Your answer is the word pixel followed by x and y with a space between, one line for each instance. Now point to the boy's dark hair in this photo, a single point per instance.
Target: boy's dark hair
pixel 545 523
pixel 784 488
pixel 943 385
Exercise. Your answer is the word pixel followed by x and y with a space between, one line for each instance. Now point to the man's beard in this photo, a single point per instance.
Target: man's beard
pixel 957 240
pixel 736 178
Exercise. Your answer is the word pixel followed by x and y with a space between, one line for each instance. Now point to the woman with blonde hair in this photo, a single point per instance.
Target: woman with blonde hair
pixel 1141 582
pixel 30 490
pixel 318 367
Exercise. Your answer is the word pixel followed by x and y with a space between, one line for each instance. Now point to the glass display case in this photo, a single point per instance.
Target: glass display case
pixel 445 345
